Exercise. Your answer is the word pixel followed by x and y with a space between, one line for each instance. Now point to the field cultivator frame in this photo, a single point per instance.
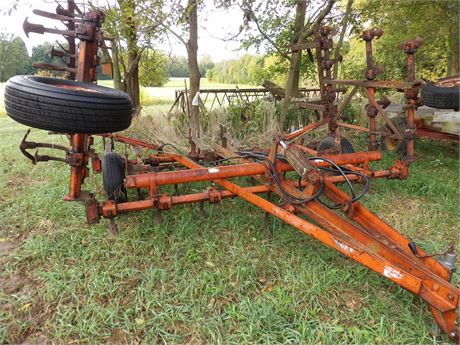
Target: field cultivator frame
pixel 306 179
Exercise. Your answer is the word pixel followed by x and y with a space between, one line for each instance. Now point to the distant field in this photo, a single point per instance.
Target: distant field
pixel 162 98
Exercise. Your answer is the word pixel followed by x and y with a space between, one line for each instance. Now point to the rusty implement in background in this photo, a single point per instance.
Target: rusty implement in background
pixel 305 177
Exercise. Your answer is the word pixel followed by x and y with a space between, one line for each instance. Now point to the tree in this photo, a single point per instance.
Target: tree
pixel 437 22
pixel 153 69
pixel 134 24
pixel 177 66
pixel 301 31
pixel 205 63
pixel 249 69
pixel 343 31
pixel 14 58
pixel 41 53
pixel 186 18
pixel 275 25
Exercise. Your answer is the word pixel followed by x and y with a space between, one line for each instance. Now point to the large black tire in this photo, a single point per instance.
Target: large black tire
pixel 392 144
pixel 441 97
pixel 68 106
pixel 327 145
pixel 113 176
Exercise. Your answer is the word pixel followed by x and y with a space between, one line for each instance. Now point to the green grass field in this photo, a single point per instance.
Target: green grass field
pixel 215 280
pixel 2 102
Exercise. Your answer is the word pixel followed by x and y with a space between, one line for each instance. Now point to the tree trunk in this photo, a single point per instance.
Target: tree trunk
pixel 194 71
pixel 292 85
pixel 116 67
pixel 453 57
pixel 346 15
pixel 131 77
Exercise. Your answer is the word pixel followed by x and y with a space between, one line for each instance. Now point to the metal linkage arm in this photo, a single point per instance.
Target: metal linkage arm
pixel 26 145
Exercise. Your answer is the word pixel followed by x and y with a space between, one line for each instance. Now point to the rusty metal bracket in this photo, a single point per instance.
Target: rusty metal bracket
pixel 26 145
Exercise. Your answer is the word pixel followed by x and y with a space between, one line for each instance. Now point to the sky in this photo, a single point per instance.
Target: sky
pixel 214 24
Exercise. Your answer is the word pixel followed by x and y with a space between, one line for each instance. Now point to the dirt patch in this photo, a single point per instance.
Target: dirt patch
pixel 24 311
pixel 19 180
pixel 6 247
pixel 18 284
pixel 351 300
pixel 24 317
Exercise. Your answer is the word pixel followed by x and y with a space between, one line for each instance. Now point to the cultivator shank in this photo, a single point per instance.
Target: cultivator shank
pixel 303 177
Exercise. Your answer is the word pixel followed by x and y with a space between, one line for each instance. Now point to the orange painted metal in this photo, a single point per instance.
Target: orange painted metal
pixel 85 73
pixel 306 129
pixel 188 176
pixel 131 141
pixel 78 172
pixel 108 209
pixel 427 133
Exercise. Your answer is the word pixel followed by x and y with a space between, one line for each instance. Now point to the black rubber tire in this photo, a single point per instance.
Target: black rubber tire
pixel 113 176
pixel 394 145
pixel 68 106
pixel 441 97
pixel 328 144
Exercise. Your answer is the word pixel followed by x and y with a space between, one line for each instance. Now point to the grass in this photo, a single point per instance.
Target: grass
pixel 2 102
pixel 215 280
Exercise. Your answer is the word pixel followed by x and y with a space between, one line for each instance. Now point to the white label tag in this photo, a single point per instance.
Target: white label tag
pixel 391 272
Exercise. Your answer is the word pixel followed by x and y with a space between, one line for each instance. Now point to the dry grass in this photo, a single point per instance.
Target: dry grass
pixel 160 128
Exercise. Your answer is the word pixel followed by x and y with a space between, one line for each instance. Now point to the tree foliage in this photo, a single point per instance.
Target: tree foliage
pixel 153 69
pixel 14 58
pixel 270 26
pixel 246 70
pixel 437 22
pixel 249 69
pixel 134 24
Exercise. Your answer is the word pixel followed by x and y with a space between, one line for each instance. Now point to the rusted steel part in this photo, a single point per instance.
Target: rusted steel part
pixel 364 129
pixel 130 141
pixel 81 142
pixel 381 248
pixel 382 84
pixel 151 180
pixel 382 112
pixel 78 172
pixel 173 200
pixel 297 134
pixel 436 290
pixel 372 122
pixel 410 47
pixel 53 67
pixel 426 133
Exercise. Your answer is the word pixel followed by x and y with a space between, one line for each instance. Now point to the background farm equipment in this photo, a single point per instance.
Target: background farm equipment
pixel 304 177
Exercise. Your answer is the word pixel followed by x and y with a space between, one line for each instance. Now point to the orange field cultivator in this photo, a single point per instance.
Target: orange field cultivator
pixel 306 177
